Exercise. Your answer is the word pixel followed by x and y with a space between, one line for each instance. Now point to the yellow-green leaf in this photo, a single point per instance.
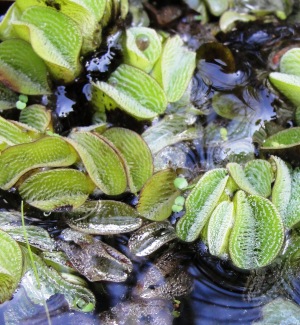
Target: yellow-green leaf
pixel 6 26
pixel 219 228
pixel 56 189
pixel 258 233
pixel 101 160
pixel 55 37
pixel 136 154
pixel 47 152
pixel 290 62
pixel 131 90
pixel 36 116
pixel 8 98
pixel 12 134
pixel 141 47
pixel 11 265
pixel 200 204
pixel 21 69
pixel 174 69
pixel 158 196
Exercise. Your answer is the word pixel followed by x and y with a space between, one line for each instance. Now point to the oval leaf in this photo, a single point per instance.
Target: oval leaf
pixel 55 37
pixel 36 116
pixel 158 196
pixel 175 68
pixel 136 154
pixel 258 233
pixel 150 238
pixel 131 90
pixel 11 266
pixel 56 189
pixel 104 218
pixel 219 228
pixel 290 62
pixel 21 69
pixel 101 160
pixel 46 152
pixel 200 204
pixel 288 84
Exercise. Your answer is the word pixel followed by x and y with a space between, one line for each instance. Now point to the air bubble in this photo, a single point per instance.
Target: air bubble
pixel 142 42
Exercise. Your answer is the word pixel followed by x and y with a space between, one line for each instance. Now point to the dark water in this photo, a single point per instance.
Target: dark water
pixel 235 66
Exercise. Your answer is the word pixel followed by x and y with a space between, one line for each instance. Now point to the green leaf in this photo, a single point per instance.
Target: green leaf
pixel 131 90
pixel 158 196
pixel 285 144
pixel 258 233
pixel 86 13
pixel 229 18
pixel 8 98
pixel 288 85
pixel 6 24
pixel 217 7
pixel 255 178
pixel 11 266
pixel 200 204
pixel 150 238
pixel 36 116
pixel 11 134
pixel 21 69
pixel 135 153
pixel 292 214
pixel 290 62
pixel 141 47
pixel 104 218
pixel 55 37
pixel 56 189
pixel 219 228
pixel 282 188
pixel 47 152
pixel 101 160
pixel 174 69
pixel 77 296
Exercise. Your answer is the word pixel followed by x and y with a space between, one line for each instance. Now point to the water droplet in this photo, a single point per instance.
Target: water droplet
pixel 47 214
pixel 113 81
pixel 142 42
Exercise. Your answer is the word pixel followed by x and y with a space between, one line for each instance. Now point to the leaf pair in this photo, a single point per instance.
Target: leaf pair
pixel 136 92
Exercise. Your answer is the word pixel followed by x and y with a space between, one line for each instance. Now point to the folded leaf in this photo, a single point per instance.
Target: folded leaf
pixel 101 160
pixel 47 152
pixel 174 69
pixel 135 153
pixel 11 266
pixel 257 235
pixel 6 26
pixel 282 188
pixel 56 189
pixel 219 228
pixel 104 218
pixel 292 214
pixel 55 37
pixel 21 69
pixel 158 196
pixel 141 47
pixel 200 204
pixel 131 90
pixel 151 237
pixel 255 178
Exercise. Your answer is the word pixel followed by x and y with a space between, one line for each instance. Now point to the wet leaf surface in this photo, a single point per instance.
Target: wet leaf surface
pixel 104 218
